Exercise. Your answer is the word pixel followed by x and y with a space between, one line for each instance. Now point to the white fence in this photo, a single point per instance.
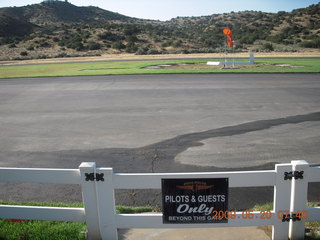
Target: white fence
pixel 290 183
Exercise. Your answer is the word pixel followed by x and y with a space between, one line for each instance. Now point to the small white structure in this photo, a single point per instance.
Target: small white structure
pixel 233 62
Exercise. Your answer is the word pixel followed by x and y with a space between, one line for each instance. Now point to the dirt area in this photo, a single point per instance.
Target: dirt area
pixel 111 57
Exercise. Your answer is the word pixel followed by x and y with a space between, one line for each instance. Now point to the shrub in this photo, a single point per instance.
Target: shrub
pixel 109 36
pixel 153 51
pixel 45 44
pixel 131 47
pixel 267 47
pixel 61 55
pixel 177 43
pixel 24 53
pixel 94 46
pixel 118 45
pixel 75 43
pixel 311 44
pixel 56 39
pixel 141 51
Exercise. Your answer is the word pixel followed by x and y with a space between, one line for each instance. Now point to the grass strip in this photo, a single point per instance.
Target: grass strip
pixel 279 65
pixel 44 230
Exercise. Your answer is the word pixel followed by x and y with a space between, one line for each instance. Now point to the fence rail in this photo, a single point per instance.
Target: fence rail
pixel 290 183
pixel 40 175
pixel 153 180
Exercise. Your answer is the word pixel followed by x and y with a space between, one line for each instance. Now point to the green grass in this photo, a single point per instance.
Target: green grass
pixel 44 230
pixel 139 67
pixel 41 230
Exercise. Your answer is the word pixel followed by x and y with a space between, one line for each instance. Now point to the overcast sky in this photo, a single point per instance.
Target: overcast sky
pixel 167 9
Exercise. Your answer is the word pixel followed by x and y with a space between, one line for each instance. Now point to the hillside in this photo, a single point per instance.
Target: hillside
pixel 57 12
pixel 60 29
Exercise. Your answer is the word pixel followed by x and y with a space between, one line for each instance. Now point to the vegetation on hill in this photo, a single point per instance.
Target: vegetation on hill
pixel 60 29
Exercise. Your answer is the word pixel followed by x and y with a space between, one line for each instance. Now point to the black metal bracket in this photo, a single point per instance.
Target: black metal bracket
pixel 293 216
pixel 91 177
pixel 295 175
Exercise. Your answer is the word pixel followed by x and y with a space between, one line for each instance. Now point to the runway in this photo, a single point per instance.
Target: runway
pixel 157 123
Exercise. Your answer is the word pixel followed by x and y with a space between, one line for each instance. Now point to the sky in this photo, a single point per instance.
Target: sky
pixel 167 9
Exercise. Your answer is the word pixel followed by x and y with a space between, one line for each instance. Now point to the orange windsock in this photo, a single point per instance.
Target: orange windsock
pixel 227 31
pixel 229 40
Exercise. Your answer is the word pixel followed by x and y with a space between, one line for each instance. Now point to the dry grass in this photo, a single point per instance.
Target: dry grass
pixel 126 56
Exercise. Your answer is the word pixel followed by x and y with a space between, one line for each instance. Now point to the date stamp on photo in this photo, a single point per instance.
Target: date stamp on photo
pixel 251 214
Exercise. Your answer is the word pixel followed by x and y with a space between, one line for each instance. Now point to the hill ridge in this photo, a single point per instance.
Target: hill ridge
pixel 58 11
pixel 58 28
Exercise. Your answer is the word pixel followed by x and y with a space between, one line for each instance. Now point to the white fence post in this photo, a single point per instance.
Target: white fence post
pixel 281 202
pixel 299 194
pixel 106 205
pixel 89 196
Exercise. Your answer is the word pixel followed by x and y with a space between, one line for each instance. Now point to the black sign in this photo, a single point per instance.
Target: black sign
pixel 194 200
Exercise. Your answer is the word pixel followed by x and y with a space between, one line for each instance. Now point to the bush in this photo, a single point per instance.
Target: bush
pixel 153 51
pixel 56 39
pixel 109 36
pixel 118 45
pixel 94 46
pixel 24 53
pixel 45 44
pixel 43 56
pixel 75 43
pixel 279 38
pixel 61 43
pixel 165 44
pixel 267 47
pixel 61 55
pixel 141 51
pixel 131 30
pixel 131 47
pixel 311 44
pixel 177 43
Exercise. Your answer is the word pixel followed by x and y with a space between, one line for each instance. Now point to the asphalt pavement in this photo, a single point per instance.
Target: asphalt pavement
pixel 158 123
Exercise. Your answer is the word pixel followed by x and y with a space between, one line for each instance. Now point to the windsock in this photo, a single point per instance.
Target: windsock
pixel 228 33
